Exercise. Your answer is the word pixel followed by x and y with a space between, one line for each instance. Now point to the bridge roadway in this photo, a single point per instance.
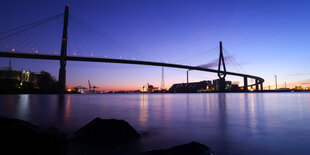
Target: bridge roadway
pixel 124 61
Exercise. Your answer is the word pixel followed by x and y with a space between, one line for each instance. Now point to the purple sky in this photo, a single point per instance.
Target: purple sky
pixel 267 38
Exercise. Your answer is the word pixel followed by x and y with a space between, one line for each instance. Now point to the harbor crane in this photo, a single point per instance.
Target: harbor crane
pixel 91 88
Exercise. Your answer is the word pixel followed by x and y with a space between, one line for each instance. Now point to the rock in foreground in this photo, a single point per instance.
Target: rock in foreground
pixel 106 133
pixel 192 148
pixel 21 137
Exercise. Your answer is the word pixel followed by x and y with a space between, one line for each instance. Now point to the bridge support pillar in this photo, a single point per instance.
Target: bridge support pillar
pixel 62 79
pixel 245 83
pixel 222 85
pixel 261 87
pixel 187 77
pixel 256 85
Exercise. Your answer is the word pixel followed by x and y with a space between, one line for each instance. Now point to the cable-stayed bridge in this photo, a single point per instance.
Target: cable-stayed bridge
pixel 17 33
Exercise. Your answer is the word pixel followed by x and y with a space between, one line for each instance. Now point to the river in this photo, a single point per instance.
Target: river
pixel 229 123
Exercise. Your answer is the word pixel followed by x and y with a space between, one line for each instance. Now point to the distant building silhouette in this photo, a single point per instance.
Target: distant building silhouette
pixel 203 86
pixel 216 85
pixel 14 81
pixel 192 87
pixel 148 88
pixel 234 87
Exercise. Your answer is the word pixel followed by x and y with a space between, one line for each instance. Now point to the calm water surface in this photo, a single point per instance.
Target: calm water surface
pixel 232 123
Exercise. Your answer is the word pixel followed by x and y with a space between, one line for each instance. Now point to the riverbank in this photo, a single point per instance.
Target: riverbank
pixel 100 136
pixel 123 92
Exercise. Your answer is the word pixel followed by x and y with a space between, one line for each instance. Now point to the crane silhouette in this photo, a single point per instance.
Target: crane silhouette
pixel 91 88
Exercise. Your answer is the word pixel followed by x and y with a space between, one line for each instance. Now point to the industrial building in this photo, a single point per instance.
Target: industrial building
pixel 22 81
pixel 192 87
pixel 202 86
pixel 216 85
pixel 148 88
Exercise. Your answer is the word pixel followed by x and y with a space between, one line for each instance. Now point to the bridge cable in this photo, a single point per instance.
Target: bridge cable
pixel 129 51
pixel 27 26
pixel 234 60
pixel 195 56
pixel 75 42
pixel 34 33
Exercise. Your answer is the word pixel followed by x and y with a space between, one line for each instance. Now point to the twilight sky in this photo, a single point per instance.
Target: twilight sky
pixel 266 37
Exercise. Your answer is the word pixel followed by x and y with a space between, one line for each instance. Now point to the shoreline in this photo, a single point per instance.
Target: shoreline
pixel 36 93
pixel 99 136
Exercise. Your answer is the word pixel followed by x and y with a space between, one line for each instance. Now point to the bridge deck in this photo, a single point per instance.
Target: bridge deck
pixel 123 61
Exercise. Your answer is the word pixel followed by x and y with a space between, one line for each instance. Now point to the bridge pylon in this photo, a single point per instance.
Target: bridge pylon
pixel 245 83
pixel 221 74
pixel 63 54
pixel 256 85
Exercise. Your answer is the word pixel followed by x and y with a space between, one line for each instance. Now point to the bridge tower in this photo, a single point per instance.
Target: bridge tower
pixel 221 74
pixel 63 54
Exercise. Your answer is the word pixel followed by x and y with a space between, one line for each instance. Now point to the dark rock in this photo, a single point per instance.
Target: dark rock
pixel 21 137
pixel 192 148
pixel 106 133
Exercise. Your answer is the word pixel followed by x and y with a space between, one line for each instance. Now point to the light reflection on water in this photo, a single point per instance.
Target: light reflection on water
pixel 23 106
pixel 232 123
pixel 143 110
